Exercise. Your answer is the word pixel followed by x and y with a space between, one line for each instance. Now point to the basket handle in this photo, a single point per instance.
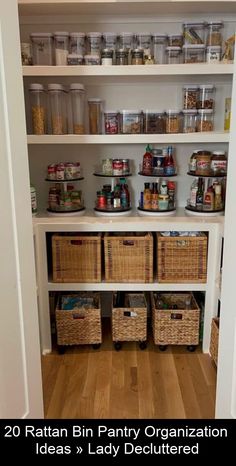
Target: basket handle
pixel 182 242
pixel 176 316
pixel 76 242
pixel 78 316
pixel 127 242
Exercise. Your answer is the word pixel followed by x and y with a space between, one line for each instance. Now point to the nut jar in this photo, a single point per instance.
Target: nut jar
pixel 194 53
pixel 190 96
pixel 205 120
pixel 174 121
pixel 206 96
pixel 203 166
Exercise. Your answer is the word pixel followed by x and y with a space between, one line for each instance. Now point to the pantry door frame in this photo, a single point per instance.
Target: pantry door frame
pixel 20 364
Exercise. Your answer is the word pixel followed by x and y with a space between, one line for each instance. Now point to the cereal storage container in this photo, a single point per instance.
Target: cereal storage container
pixel 77 102
pixel 194 33
pixel 174 121
pixel 57 99
pixel 173 55
pixel 190 121
pixel 61 44
pixel 214 33
pixel 159 48
pixel 38 108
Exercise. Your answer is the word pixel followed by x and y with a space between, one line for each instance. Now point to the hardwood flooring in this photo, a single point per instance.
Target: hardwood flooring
pixel 129 384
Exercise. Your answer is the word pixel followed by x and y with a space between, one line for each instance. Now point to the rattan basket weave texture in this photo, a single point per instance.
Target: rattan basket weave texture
pixel 76 258
pixel 182 259
pixel 128 258
pixel 130 323
pixel 82 326
pixel 214 339
pixel 175 326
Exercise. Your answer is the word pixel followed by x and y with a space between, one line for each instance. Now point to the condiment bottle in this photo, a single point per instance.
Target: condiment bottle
pixel 147 197
pixel 218 197
pixel 147 161
pixel 169 166
pixel 208 203
pixel 200 194
pixel 154 197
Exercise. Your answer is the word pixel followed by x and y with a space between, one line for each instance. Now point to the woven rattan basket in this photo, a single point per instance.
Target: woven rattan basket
pixel 128 258
pixel 175 326
pixel 214 339
pixel 130 323
pixel 182 259
pixel 82 326
pixel 76 258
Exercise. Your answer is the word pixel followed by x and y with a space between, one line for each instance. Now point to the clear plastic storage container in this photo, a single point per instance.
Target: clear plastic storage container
pixel 61 45
pixel 194 53
pixel 175 40
pixel 205 120
pixel 57 99
pixel 154 122
pixel 214 33
pixel 213 54
pixel 173 55
pixel 190 96
pixel 131 121
pixel 92 60
pixel 206 96
pixel 122 57
pixel 95 115
pixel 77 103
pixel 109 40
pixel 42 46
pixel 159 48
pixel 77 43
pixel 190 121
pixel 38 108
pixel 194 33
pixel 126 40
pixel 94 43
pixel 144 42
pixel 174 121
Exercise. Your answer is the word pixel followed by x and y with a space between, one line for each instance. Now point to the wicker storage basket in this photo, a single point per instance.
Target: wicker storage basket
pixel 182 259
pixel 214 339
pixel 175 326
pixel 79 326
pixel 130 323
pixel 129 258
pixel 76 258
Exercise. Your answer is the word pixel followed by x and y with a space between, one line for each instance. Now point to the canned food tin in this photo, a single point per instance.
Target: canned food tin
pixel 125 166
pixel 117 166
pixel 70 171
pixel 53 198
pixel 60 171
pixel 51 171
pixel 107 166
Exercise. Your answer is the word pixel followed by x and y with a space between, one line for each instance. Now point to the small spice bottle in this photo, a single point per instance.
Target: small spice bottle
pixel 107 57
pixel 122 57
pixel 137 57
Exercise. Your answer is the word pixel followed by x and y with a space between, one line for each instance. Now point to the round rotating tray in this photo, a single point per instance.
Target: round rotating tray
pixel 157 175
pixel 192 212
pixel 152 213
pixel 110 213
pixel 207 176
pixel 62 213
pixel 112 176
pixel 65 181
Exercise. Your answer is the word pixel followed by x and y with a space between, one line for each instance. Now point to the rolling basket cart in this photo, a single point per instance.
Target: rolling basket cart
pixel 214 339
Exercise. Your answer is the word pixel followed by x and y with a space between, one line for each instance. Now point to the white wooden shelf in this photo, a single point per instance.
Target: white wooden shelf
pixel 103 286
pixel 131 70
pixel 180 138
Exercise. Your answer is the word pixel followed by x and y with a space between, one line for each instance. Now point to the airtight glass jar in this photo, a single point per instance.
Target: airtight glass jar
pixel 137 57
pixel 131 121
pixel 61 45
pixel 190 121
pixel 159 48
pixel 190 96
pixel 42 48
pixel 214 33
pixel 194 53
pixel 154 122
pixel 174 121
pixel 109 40
pixel 175 40
pixel 173 55
pixel 205 120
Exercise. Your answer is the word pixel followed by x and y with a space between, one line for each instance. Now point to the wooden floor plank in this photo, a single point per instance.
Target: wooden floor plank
pixel 188 392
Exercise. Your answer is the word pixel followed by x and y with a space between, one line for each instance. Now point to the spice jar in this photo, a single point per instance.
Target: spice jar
pixel 111 122
pixel 42 48
pixel 122 57
pixel 95 116
pixel 57 99
pixel 190 121
pixel 205 120
pixel 77 43
pixel 213 54
pixel 173 55
pixel 137 57
pixel 206 96
pixel 203 165
pixel 74 59
pixel 194 33
pixel 154 122
pixel 143 42
pixel 214 33
pixel 77 100
pixel 38 108
pixel 107 57
pixel 159 48
pixel 92 59
pixel 218 163
pixel 194 53
pixel 61 44
pixel 174 121
pixel 109 40
pixel 190 95
pixel 94 43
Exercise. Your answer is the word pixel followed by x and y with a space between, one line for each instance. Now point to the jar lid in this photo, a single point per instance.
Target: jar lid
pixel 196 25
pixel 131 111
pixel 122 52
pixel 77 86
pixel 175 35
pixel 191 86
pixel 36 87
pixel 138 34
pixel 173 112
pixel 157 34
pixel 77 34
pixel 110 51
pixel 189 112
pixel 137 51
pixel 215 23
pixel 194 46
pixel 157 152
pixel 203 152
pixel 109 34
pixel 113 112
pixel 56 87
pixel 94 34
pixel 126 34
pixel 41 34
pixel 205 110
pixel 61 33
pixel 207 87
pixel 75 55
pixel 94 99
pixel 92 57
pixel 173 48
pixel 218 152
pixel 214 48
pixel 153 112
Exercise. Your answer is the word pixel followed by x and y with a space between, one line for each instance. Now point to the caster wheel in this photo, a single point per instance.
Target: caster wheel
pixel 191 348
pixel 162 347
pixel 96 346
pixel 143 345
pixel 61 349
pixel 117 346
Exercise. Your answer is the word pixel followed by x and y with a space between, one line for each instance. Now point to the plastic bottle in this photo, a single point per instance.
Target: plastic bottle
pixel 169 165
pixel 147 161
pixel 33 200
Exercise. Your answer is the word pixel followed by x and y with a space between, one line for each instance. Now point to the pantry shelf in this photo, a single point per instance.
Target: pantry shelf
pixel 180 138
pixel 131 70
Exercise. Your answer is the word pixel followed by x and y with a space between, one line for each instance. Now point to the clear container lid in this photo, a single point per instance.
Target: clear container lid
pixel 94 99
pixel 56 87
pixel 94 34
pixel 194 47
pixel 113 112
pixel 218 152
pixel 143 34
pixel 122 51
pixel 198 24
pixel 214 48
pixel 92 57
pixel 75 55
pixel 109 34
pixel 173 112
pixel 217 24
pixel 157 34
pixel 193 87
pixel 126 34
pixel 77 34
pixel 36 87
pixel 207 87
pixel 189 112
pixel 175 35
pixel 61 33
pixel 123 112
pixel 173 48
pixel 41 34
pixel 207 111
pixel 76 87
